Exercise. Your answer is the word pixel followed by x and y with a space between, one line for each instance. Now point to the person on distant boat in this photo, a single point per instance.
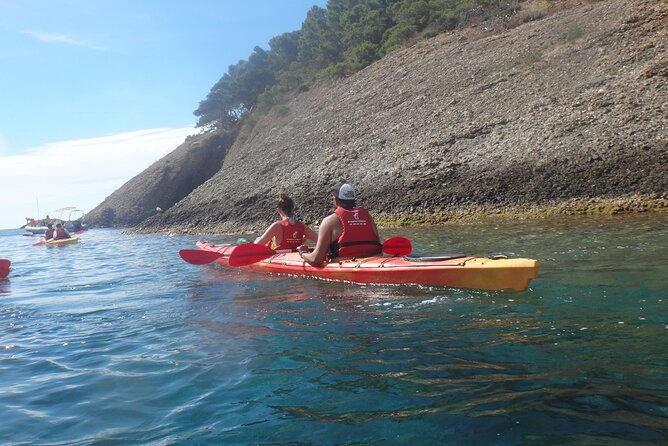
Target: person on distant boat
pixel 61 233
pixel 288 232
pixel 47 220
pixel 48 235
pixel 349 232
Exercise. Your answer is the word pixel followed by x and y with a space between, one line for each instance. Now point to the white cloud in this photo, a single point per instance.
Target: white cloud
pixel 3 145
pixel 64 39
pixel 78 173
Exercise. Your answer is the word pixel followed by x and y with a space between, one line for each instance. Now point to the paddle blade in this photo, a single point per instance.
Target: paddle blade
pixel 79 232
pixel 397 246
pixel 199 256
pixel 249 253
pixel 4 268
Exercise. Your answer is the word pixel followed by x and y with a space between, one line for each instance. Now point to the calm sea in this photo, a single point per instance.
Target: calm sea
pixel 117 341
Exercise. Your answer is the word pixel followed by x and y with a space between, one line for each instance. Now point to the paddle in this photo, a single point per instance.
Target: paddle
pixel 4 268
pixel 246 253
pixel 397 246
pixel 79 232
pixel 199 256
pixel 250 253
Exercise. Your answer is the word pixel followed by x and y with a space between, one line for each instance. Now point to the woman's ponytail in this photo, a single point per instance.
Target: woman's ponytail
pixel 287 205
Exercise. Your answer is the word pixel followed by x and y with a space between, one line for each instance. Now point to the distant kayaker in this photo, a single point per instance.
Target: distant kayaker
pixel 61 233
pixel 288 232
pixel 349 232
pixel 48 235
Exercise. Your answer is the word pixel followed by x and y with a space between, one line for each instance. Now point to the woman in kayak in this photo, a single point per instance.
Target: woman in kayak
pixel 48 234
pixel 61 233
pixel 288 232
pixel 349 232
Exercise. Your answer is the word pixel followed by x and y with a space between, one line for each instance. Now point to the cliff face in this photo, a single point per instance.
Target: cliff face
pixel 163 183
pixel 573 105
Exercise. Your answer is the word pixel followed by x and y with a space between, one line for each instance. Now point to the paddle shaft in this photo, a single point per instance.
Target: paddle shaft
pixel 249 253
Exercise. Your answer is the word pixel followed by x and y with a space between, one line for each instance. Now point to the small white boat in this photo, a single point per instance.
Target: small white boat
pixel 35 229
pixel 75 217
pixel 70 217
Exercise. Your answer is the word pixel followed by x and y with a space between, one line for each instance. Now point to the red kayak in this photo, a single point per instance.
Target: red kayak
pixel 457 271
pixel 4 268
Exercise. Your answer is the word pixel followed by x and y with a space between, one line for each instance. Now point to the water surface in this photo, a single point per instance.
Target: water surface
pixel 118 341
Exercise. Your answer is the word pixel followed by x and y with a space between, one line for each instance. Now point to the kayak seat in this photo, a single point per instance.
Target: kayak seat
pixel 432 257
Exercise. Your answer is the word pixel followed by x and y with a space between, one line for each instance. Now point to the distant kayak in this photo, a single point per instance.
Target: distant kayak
pixel 458 271
pixel 62 241
pixel 4 268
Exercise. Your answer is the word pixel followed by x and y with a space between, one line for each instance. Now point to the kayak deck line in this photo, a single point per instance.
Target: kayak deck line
pixel 493 274
pixel 386 263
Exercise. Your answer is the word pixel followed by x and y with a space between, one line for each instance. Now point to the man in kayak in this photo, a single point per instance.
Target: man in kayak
pixel 48 234
pixel 61 233
pixel 349 232
pixel 288 232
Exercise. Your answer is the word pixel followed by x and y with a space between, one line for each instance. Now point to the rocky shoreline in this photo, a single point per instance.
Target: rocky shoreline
pixel 591 207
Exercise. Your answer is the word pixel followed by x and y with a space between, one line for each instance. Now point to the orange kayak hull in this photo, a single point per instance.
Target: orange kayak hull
pixel 463 272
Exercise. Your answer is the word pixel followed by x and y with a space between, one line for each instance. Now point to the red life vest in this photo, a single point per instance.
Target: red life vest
pixel 357 237
pixel 61 233
pixel 49 234
pixel 293 235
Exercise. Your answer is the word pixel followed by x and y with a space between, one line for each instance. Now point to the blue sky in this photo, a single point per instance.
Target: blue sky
pixel 79 75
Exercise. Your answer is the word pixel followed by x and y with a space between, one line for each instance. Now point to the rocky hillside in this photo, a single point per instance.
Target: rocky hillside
pixel 165 182
pixel 570 106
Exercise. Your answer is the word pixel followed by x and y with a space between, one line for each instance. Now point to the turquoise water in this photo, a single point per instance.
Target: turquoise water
pixel 118 341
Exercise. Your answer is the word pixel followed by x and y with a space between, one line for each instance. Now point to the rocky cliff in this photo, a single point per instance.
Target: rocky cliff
pixel 165 182
pixel 569 108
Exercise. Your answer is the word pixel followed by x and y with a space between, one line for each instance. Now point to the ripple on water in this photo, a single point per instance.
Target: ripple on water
pixel 119 341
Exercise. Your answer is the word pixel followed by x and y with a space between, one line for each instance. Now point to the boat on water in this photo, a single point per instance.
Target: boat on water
pixel 4 268
pixel 457 270
pixel 36 230
pixel 70 217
